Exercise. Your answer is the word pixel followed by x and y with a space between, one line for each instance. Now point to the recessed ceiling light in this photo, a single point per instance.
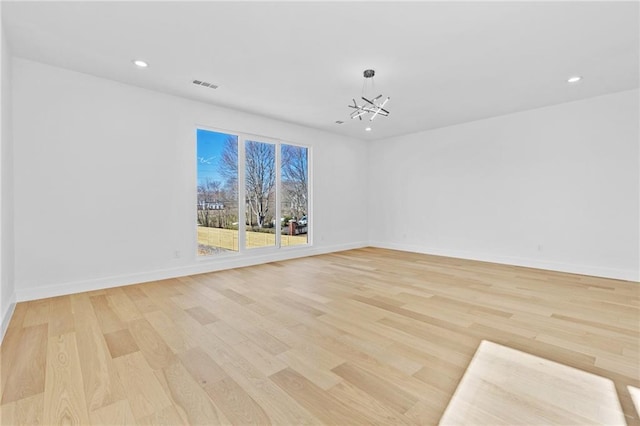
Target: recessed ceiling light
pixel 140 64
pixel 574 79
pixel 368 129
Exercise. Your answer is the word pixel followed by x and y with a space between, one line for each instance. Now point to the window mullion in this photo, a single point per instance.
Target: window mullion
pixel 242 196
pixel 278 222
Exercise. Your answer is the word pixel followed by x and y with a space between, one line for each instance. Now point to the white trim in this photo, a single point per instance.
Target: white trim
pixel 242 261
pixel 596 271
pixel 279 190
pixel 6 316
pixel 199 268
pixel 242 196
pixel 310 219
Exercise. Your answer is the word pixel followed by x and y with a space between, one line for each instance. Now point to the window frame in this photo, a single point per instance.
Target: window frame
pixel 243 138
pixel 310 221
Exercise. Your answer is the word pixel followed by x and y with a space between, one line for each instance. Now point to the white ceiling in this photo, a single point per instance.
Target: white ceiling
pixel 441 63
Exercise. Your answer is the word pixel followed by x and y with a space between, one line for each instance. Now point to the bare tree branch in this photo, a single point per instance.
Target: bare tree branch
pixel 295 178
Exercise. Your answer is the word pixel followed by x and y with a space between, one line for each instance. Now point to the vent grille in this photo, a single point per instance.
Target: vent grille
pixel 205 84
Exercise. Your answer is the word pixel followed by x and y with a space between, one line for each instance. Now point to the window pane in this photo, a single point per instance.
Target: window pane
pixel 295 195
pixel 260 192
pixel 217 159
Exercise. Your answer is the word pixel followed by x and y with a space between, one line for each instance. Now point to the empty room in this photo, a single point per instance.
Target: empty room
pixel 327 213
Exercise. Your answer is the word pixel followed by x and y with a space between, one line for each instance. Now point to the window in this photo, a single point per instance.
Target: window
pixel 260 194
pixel 295 194
pixel 217 166
pixel 275 193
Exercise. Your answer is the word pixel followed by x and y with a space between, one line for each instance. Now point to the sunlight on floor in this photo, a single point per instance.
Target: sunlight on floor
pixel 506 386
pixel 635 396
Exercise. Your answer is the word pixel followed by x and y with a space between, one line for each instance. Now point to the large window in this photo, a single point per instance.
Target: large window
pixel 274 179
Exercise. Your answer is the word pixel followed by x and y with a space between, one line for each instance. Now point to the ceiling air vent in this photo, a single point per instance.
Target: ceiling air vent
pixel 205 84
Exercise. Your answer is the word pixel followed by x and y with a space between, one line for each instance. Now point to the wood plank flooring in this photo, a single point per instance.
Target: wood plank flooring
pixel 367 336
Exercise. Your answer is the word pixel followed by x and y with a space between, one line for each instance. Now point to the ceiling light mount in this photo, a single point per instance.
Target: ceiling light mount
pixel 369 73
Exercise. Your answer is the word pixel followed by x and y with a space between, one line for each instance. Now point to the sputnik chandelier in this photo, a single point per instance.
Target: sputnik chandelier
pixel 373 106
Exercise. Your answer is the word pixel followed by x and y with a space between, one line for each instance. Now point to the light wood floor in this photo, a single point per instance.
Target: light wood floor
pixel 366 336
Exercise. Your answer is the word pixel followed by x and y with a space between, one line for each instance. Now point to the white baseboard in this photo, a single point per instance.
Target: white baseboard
pixel 199 267
pixel 61 289
pixel 6 316
pixel 597 271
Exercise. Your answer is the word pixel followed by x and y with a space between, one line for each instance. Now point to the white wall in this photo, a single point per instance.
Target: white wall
pixel 105 182
pixel 554 188
pixel 104 185
pixel 7 294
